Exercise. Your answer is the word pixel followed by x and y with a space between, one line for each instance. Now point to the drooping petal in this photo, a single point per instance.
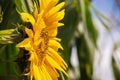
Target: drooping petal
pixel 36 72
pixel 52 71
pixel 55 64
pixel 57 57
pixel 26 17
pixel 46 74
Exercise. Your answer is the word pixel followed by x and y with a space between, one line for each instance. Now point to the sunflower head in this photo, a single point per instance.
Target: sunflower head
pixel 42 42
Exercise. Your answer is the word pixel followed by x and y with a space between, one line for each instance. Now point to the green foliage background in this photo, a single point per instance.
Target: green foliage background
pixel 85 40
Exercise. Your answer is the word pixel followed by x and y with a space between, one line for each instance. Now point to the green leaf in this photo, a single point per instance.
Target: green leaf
pixel 84 58
pixel 10 15
pixel 19 5
pixel 7 31
pixel 67 31
pixel 24 5
pixel 88 23
pixel 7 65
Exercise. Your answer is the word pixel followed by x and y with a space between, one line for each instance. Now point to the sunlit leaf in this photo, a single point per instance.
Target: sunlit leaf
pixel 88 23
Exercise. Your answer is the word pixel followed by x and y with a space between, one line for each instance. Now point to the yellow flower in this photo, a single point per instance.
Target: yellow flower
pixel 42 43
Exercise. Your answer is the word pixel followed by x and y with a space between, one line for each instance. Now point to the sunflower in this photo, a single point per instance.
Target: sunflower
pixel 42 42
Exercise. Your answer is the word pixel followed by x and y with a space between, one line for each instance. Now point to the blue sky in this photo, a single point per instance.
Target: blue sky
pixel 109 9
pixel 106 39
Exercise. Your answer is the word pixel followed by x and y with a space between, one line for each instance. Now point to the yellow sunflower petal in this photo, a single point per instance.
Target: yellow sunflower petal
pixel 53 32
pixel 47 75
pixel 60 15
pixel 54 25
pixel 42 43
pixel 34 58
pixel 57 39
pixel 52 71
pixel 55 9
pixel 57 57
pixel 25 43
pixel 35 11
pixel 51 4
pixel 26 17
pixel 39 25
pixel 55 64
pixel 29 32
pixel 37 74
pixel 54 44
pixel 43 4
pixel 60 24
pixel 56 17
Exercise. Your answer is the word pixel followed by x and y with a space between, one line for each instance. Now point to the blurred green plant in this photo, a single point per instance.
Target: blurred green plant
pixel 77 12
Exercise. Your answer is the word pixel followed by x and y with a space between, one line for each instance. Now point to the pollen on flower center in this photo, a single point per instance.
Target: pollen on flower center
pixel 44 35
pixel 41 51
pixel 41 56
